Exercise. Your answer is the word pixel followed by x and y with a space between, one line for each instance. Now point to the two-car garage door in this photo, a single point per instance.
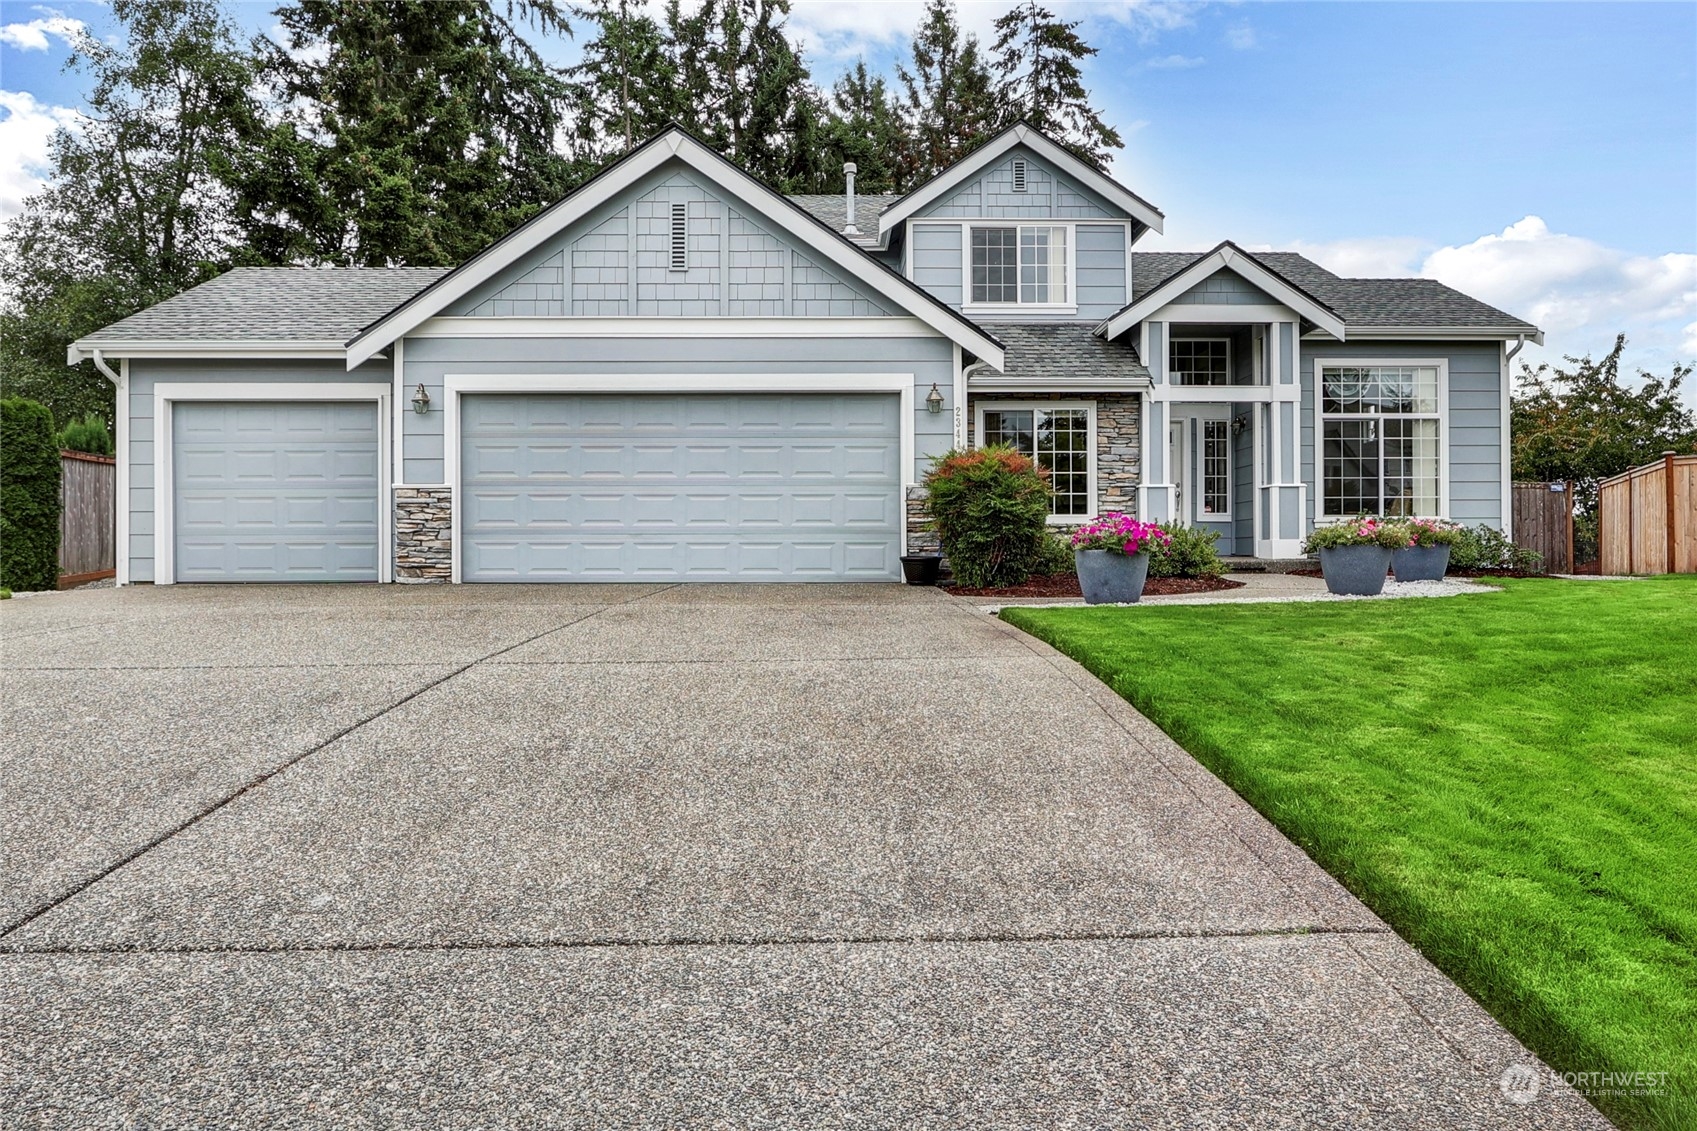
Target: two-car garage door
pixel 731 487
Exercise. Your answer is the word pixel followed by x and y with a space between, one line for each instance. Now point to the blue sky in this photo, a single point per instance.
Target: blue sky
pixel 1542 156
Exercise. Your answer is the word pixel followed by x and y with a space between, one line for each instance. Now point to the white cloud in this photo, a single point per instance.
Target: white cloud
pixel 25 130
pixel 34 35
pixel 1175 62
pixel 1241 37
pixel 1581 293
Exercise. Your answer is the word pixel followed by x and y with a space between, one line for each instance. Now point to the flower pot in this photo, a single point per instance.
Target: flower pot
pixel 1355 571
pixel 1108 578
pixel 921 569
pixel 1420 563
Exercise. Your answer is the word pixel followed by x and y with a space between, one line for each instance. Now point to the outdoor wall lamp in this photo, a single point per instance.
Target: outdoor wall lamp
pixel 1240 425
pixel 934 399
pixel 421 400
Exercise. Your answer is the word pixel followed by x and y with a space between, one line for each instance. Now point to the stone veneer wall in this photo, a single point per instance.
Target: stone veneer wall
pixel 1119 444
pixel 423 534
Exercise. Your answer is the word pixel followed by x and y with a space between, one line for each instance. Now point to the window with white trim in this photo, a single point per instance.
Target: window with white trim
pixel 1200 361
pixel 1216 468
pixel 1380 427
pixel 1055 438
pixel 1019 265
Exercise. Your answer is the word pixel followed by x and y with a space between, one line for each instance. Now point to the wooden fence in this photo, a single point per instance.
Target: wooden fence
pixel 88 494
pixel 1543 521
pixel 1647 518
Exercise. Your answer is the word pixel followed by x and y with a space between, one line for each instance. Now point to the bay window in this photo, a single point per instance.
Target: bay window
pixel 1056 437
pixel 1381 434
pixel 1022 265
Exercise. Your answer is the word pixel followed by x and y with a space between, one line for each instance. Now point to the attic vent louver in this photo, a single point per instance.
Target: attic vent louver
pixel 680 237
pixel 1019 176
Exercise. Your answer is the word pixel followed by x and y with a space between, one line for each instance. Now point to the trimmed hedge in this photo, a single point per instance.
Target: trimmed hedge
pixel 29 496
pixel 991 506
pixel 89 434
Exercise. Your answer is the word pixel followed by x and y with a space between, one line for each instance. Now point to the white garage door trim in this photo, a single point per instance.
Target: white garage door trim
pixel 166 394
pixel 456 384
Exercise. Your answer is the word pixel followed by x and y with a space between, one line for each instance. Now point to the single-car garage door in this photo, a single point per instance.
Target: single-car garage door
pixel 744 487
pixel 274 491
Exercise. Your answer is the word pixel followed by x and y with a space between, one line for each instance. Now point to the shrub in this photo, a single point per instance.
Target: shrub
pixel 991 506
pixel 89 434
pixel 1483 547
pixel 1363 530
pixel 29 496
pixel 1055 557
pixel 1188 552
pixel 1428 532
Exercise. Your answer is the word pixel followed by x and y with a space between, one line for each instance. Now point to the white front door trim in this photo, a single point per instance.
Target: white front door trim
pixel 167 393
pixel 455 385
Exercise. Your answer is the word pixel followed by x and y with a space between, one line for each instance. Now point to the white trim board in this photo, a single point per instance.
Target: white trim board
pixel 121 516
pixel 167 393
pixel 647 327
pixel 82 350
pixel 456 385
pixel 1239 262
pixel 625 174
pixel 994 150
pixel 1433 333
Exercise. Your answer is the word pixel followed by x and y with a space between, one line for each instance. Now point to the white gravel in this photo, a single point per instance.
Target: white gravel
pixel 1394 590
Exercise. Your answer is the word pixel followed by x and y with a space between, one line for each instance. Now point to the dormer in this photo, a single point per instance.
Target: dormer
pixel 1020 230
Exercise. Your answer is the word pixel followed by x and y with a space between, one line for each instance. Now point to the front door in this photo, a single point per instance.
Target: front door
pixel 1199 444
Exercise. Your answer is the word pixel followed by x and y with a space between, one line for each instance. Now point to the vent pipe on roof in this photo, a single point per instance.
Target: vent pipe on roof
pixel 849 171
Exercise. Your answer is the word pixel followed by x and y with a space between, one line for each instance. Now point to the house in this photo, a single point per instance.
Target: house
pixel 676 373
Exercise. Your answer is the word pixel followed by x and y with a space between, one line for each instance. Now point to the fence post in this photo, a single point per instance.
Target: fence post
pixel 1667 476
pixel 1572 565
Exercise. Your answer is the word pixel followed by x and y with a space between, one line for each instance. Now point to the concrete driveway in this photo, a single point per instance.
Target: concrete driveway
pixel 626 856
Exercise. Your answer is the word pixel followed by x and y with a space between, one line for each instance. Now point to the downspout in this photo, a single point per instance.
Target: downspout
pixel 121 472
pixel 106 370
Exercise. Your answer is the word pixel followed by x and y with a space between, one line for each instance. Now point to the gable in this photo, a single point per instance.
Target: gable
pixel 1049 193
pixel 616 262
pixel 1225 287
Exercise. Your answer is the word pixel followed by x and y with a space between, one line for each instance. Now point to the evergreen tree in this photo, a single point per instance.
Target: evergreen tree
pixel 1037 60
pixel 410 131
pixel 864 124
pixel 627 87
pixel 134 209
pixel 950 96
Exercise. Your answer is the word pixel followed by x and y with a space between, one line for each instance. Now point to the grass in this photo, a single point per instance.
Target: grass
pixel 1509 779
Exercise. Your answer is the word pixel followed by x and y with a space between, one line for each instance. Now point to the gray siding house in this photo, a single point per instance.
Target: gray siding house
pixel 676 373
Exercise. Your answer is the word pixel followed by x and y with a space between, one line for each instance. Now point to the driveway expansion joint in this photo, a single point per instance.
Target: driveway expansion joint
pixel 730 941
pixel 208 810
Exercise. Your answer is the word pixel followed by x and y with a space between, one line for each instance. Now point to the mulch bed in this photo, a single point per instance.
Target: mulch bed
pixel 1449 573
pixel 1066 585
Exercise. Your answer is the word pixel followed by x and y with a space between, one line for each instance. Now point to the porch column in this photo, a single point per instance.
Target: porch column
pixel 1284 496
pixel 1155 501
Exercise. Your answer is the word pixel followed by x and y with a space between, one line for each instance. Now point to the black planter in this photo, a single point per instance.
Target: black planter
pixel 921 569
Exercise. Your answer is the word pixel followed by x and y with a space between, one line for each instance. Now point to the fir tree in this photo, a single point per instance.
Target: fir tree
pixel 1040 82
pixel 950 97
pixel 864 125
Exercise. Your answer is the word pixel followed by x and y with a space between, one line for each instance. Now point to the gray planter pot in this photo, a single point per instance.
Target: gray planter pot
pixel 1355 571
pixel 1108 578
pixel 1420 563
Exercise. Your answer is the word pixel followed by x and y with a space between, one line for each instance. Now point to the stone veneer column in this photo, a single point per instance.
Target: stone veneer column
pixel 921 530
pixel 423 534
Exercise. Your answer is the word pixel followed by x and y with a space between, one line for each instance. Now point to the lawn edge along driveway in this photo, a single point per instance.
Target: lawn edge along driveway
pixel 1508 781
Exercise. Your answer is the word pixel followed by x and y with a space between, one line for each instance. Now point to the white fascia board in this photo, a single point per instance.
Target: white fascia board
pixel 982 158
pixel 774 208
pixel 1434 333
pixel 1223 258
pixel 83 350
pixel 641 327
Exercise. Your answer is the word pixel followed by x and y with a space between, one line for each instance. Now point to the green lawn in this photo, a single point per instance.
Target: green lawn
pixel 1509 779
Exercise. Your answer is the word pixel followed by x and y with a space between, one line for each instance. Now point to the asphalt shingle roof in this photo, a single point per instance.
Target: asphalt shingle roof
pixel 1359 302
pixel 1061 352
pixel 832 209
pixel 275 304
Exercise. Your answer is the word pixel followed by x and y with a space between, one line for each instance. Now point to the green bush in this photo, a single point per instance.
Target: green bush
pixel 29 496
pixel 991 506
pixel 1189 552
pixel 89 434
pixel 1055 557
pixel 1483 547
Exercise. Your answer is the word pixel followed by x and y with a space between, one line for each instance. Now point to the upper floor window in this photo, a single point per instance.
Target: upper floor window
pixel 1019 265
pixel 1200 361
